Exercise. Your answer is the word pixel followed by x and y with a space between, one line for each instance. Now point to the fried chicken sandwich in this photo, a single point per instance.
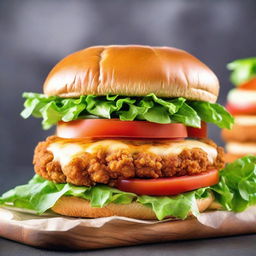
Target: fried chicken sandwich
pixel 131 137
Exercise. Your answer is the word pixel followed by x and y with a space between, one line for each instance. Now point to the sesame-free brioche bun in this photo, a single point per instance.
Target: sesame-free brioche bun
pixel 229 158
pixel 78 207
pixel 132 70
pixel 240 133
pixel 236 149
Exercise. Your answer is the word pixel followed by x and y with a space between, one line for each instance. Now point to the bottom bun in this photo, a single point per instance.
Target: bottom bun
pixel 78 207
pixel 241 149
pixel 240 133
pixel 229 158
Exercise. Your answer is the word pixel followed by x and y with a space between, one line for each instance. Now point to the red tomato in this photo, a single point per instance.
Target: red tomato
pixel 245 109
pixel 111 128
pixel 169 186
pixel 250 85
pixel 198 132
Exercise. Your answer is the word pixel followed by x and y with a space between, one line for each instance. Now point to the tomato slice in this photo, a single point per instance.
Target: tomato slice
pixel 242 109
pixel 198 132
pixel 249 85
pixel 169 186
pixel 111 128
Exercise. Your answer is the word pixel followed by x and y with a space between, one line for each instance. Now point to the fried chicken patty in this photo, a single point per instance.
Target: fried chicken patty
pixel 87 162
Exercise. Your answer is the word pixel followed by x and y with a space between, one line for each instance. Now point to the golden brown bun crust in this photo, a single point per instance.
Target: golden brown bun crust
pixel 229 158
pixel 132 70
pixel 77 207
pixel 240 133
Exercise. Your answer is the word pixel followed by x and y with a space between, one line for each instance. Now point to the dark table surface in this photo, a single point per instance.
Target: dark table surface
pixel 230 246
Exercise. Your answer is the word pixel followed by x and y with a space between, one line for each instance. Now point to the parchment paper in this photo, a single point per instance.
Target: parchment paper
pixel 52 222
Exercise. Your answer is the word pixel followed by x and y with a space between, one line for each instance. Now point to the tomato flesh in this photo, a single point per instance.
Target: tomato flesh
pixel 114 128
pixel 198 132
pixel 110 128
pixel 169 186
pixel 242 109
pixel 250 85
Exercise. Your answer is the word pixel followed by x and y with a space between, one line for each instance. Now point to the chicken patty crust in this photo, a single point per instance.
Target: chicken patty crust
pixel 87 162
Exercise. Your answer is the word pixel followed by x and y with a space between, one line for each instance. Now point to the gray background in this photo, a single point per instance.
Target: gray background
pixel 34 35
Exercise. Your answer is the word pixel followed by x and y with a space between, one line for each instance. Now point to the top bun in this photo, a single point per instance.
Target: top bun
pixel 132 70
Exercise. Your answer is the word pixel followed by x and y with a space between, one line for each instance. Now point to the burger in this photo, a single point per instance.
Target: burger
pixel 131 138
pixel 241 102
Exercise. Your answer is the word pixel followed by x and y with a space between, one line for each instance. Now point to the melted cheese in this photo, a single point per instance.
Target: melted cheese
pixel 178 147
pixel 241 148
pixel 241 97
pixel 64 151
pixel 245 120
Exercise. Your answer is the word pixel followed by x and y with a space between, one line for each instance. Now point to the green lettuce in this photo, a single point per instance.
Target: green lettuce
pixel 150 108
pixel 237 187
pixel 242 70
pixel 235 191
pixel 40 195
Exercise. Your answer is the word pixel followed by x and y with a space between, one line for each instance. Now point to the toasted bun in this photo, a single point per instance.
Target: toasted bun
pixel 77 207
pixel 238 149
pixel 235 150
pixel 229 158
pixel 132 70
pixel 240 133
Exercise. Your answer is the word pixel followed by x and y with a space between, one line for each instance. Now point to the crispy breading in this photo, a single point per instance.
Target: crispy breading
pixel 107 167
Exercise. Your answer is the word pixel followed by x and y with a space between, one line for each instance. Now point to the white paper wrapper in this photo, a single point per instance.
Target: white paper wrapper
pixel 54 232
pixel 215 219
pixel 52 222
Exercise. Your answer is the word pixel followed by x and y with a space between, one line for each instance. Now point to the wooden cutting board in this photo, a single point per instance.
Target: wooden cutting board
pixel 118 232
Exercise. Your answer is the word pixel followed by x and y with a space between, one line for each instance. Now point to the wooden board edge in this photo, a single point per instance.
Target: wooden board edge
pixel 119 233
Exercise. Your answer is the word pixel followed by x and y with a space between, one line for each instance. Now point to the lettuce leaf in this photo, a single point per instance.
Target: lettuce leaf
pixel 150 108
pixel 212 113
pixel 176 206
pixel 242 70
pixel 40 195
pixel 237 187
